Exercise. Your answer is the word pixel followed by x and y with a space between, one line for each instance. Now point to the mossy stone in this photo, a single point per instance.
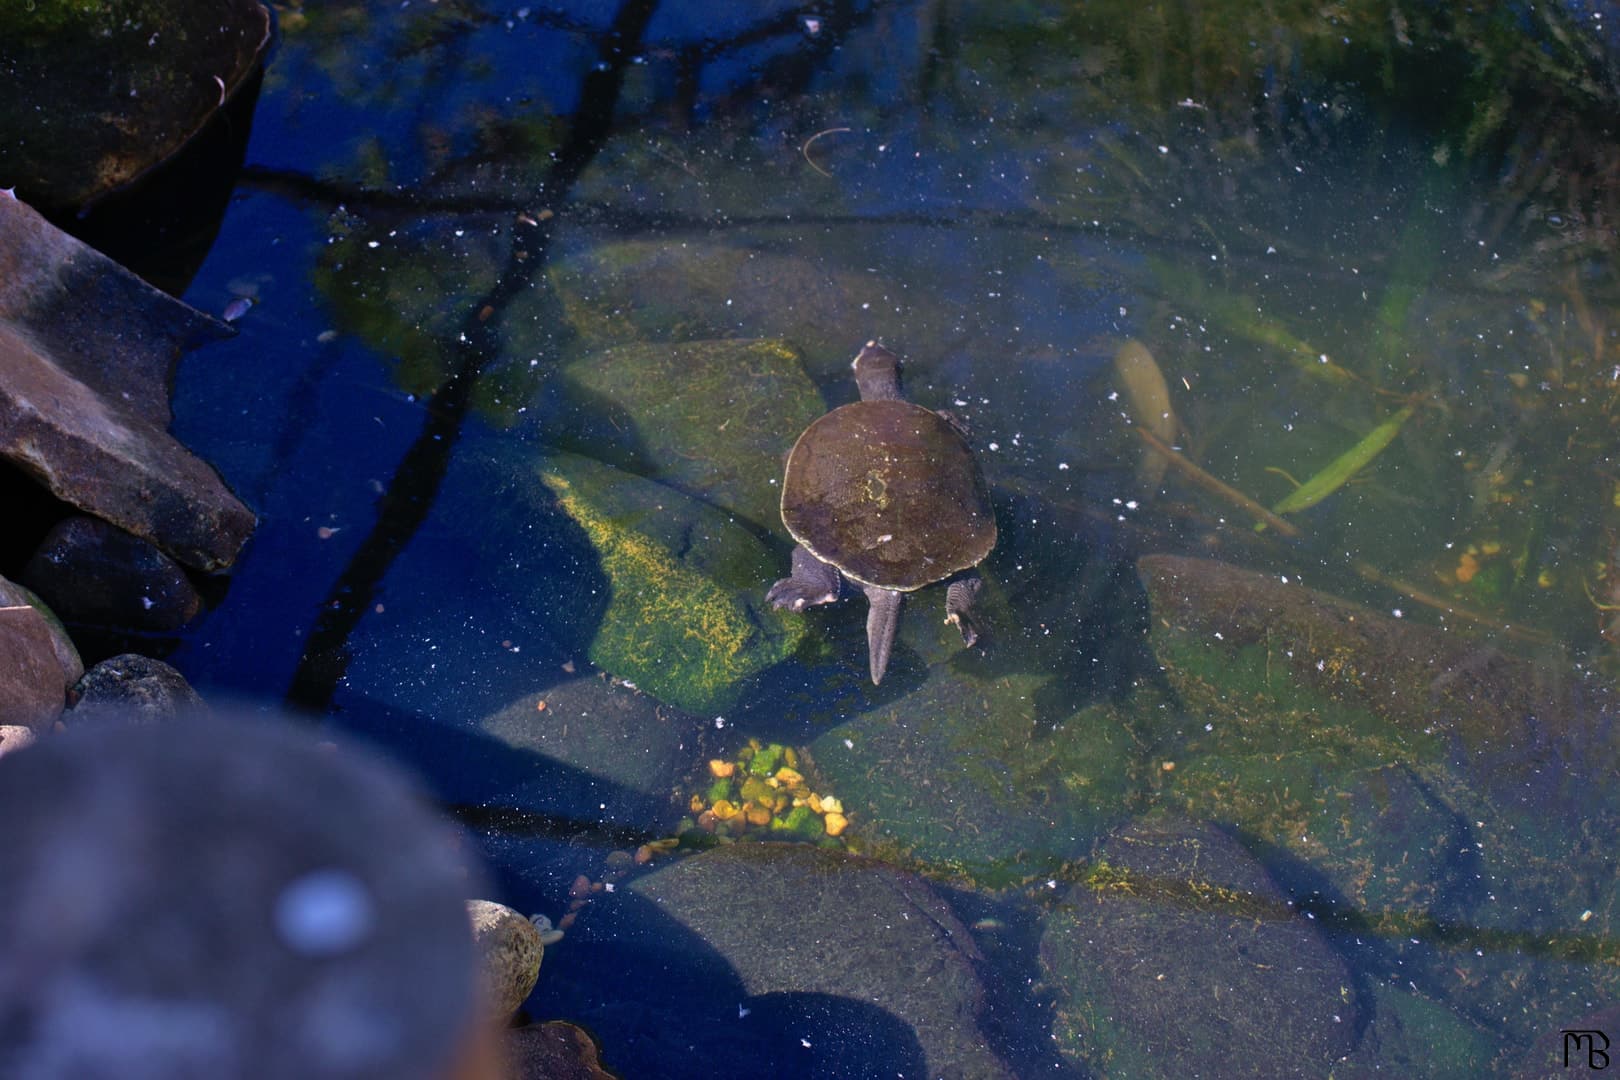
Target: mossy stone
pixel 685 619
pixel 713 419
pixel 966 776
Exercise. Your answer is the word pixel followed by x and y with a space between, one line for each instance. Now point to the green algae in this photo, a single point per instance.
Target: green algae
pixel 711 418
pixel 685 619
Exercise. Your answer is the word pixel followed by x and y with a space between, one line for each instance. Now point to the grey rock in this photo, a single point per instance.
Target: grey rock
pixel 795 919
pixel 91 572
pixel 133 689
pixel 608 733
pixel 1178 957
pixel 88 350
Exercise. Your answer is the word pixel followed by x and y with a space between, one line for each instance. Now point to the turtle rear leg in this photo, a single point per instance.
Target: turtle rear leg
pixel 813 582
pixel 959 596
pixel 882 619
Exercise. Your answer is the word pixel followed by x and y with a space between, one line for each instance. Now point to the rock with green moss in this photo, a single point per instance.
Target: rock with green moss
pixel 1178 956
pixel 712 418
pixel 99 91
pixel 973 777
pixel 1435 792
pixel 685 618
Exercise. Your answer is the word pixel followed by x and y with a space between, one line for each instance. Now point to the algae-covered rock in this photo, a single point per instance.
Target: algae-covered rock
pixel 1436 792
pixel 965 775
pixel 1334 785
pixel 1178 956
pixel 685 619
pixel 711 418
pixel 99 91
pixel 638 290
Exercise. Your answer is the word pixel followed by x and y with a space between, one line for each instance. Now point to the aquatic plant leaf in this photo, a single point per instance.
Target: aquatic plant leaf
pixel 1342 468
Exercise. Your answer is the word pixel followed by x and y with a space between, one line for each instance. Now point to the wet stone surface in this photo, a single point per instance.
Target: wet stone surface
pixel 1175 927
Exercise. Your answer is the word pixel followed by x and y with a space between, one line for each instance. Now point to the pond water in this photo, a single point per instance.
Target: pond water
pixel 543 295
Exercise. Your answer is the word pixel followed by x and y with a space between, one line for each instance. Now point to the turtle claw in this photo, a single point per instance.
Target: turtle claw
pixel 959 597
pixel 796 595
pixel 813 582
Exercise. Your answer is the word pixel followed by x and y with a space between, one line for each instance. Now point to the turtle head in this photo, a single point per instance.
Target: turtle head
pixel 877 373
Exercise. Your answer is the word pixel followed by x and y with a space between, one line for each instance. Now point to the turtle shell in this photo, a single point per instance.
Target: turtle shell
pixel 890 493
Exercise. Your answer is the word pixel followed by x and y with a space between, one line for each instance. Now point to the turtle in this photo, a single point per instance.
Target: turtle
pixel 888 495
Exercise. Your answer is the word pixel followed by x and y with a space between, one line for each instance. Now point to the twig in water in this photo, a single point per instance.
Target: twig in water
pixel 1210 483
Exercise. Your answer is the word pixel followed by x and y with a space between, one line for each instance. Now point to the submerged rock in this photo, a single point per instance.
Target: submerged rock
pixel 1435 791
pixel 621 748
pixel 685 619
pixel 92 573
pixel 790 919
pixel 552 1051
pixel 74 133
pixel 711 418
pixel 89 350
pixel 1178 956
pixel 509 955
pixel 965 775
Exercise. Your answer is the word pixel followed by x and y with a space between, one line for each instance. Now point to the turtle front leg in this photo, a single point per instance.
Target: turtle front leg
pixel 959 596
pixel 813 582
pixel 882 619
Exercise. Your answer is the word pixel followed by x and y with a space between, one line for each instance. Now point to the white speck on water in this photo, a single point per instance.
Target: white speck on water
pixel 1063 466
pixel 719 722
pixel 741 1012
pixel 849 744
pixel 1398 613
pixel 995 446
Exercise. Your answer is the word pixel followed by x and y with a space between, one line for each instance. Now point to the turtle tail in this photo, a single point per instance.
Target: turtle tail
pixel 882 619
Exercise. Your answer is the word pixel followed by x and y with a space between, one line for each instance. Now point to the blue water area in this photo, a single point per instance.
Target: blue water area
pixel 1368 253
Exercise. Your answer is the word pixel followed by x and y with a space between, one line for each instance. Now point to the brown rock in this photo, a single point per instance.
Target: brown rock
pixel 552 1051
pixel 14 595
pixel 509 950
pixel 88 350
pixel 91 572
pixel 32 685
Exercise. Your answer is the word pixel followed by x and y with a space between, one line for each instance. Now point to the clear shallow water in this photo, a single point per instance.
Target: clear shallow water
pixel 1314 219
